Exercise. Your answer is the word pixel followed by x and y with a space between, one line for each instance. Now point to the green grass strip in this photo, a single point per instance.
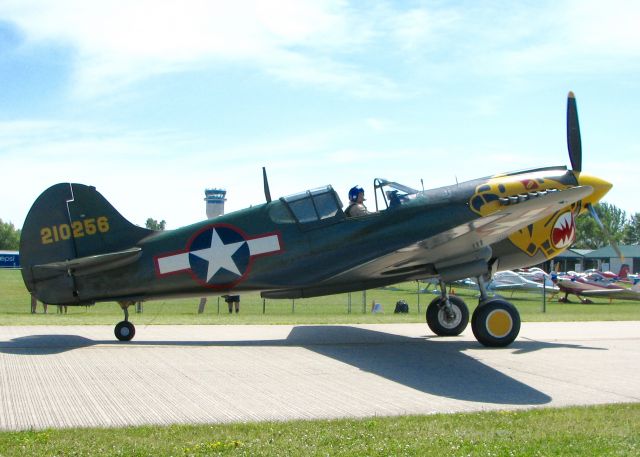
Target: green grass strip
pixel 15 308
pixel 609 430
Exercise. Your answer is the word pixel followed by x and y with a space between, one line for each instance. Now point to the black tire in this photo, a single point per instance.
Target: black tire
pixel 438 321
pixel 125 331
pixel 496 323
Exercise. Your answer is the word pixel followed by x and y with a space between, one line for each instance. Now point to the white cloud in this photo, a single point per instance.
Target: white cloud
pixel 508 40
pixel 122 42
pixel 604 27
pixel 329 73
pixel 379 125
pixel 331 43
pixel 563 38
pixel 420 28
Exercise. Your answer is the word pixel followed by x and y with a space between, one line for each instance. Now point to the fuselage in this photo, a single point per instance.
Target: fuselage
pixel 300 245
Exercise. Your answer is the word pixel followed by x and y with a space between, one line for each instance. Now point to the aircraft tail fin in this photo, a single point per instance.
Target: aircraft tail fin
pixel 67 222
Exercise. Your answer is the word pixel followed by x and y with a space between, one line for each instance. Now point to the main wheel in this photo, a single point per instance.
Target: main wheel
pixel 444 323
pixel 125 330
pixel 496 323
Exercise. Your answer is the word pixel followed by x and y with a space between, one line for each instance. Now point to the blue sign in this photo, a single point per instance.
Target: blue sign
pixel 9 259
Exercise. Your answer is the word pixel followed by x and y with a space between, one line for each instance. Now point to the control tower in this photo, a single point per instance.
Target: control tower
pixel 215 199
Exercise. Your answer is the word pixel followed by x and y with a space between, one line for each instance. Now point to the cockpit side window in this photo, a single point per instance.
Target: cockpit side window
pixel 303 210
pixel 314 205
pixel 325 204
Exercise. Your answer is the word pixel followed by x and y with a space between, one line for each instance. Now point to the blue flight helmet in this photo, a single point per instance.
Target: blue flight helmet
pixel 354 192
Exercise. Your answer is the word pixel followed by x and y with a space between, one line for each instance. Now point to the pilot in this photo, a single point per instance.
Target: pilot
pixel 356 206
pixel 394 199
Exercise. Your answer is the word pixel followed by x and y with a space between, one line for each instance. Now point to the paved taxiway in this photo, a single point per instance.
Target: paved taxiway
pixel 80 376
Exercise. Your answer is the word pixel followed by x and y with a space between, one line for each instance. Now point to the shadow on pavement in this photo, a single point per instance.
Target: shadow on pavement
pixel 436 366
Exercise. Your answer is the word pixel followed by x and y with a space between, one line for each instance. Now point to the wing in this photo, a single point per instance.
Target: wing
pixel 457 253
pixel 617 294
pixel 466 243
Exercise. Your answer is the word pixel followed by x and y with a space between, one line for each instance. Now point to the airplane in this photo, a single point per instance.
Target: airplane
pixel 536 274
pixel 582 288
pixel 77 249
pixel 594 284
pixel 508 281
pixel 513 281
pixel 586 290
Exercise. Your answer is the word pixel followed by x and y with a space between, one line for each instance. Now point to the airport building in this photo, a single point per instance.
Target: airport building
pixel 606 258
pixel 603 259
pixel 215 199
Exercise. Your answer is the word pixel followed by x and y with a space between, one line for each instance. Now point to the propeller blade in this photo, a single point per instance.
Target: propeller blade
pixel 573 134
pixel 607 235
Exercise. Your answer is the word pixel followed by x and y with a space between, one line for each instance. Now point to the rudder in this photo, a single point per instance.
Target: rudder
pixel 67 222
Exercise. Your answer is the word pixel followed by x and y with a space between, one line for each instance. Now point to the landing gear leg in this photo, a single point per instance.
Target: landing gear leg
pixel 447 315
pixel 495 322
pixel 125 330
pixel 482 285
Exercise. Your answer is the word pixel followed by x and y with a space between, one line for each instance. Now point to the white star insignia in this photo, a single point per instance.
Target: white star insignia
pixel 219 255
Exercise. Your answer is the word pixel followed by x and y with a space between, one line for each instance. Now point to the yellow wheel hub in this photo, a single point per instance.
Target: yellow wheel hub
pixel 499 323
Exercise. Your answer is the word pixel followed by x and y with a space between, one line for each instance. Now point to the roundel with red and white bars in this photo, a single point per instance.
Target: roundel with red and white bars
pixel 219 255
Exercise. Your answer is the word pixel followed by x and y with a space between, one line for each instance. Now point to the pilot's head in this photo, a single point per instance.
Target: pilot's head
pixel 355 192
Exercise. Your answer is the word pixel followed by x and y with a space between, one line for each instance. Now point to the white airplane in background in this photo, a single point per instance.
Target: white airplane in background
pixel 512 281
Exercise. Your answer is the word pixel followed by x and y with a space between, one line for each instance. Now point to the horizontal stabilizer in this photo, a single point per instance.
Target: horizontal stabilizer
pixel 93 263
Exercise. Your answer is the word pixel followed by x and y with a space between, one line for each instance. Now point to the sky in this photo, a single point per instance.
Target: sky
pixel 154 101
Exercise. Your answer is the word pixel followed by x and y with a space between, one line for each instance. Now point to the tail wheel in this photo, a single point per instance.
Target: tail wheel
pixel 447 322
pixel 125 331
pixel 496 323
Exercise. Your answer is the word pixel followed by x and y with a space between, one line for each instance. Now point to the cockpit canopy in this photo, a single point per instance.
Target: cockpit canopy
pixel 392 193
pixel 314 205
pixel 320 206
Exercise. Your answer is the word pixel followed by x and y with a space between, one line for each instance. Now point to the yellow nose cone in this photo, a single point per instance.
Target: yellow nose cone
pixel 600 188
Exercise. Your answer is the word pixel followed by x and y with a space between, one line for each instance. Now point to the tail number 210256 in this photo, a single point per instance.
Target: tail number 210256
pixel 77 229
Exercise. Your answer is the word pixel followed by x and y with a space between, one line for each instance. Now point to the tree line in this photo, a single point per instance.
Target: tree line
pixel 9 236
pixel 622 228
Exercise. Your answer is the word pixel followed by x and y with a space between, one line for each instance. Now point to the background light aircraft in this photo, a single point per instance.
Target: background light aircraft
pixel 512 281
pixel 77 249
pixel 536 274
pixel 581 288
pixel 593 283
pixel 509 281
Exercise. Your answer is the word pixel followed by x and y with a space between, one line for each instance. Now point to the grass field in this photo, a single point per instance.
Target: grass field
pixel 610 430
pixel 333 309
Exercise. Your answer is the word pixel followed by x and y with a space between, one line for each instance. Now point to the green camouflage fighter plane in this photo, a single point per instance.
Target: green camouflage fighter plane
pixel 76 249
